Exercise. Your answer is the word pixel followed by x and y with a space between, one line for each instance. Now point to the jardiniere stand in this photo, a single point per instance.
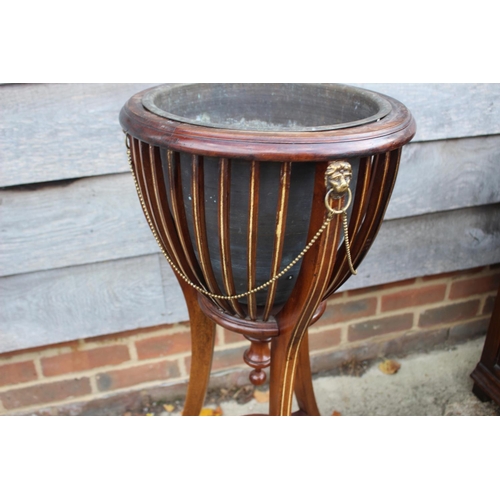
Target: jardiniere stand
pixel 264 198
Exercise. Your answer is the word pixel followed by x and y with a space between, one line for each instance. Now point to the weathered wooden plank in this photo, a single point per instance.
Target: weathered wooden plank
pixel 61 131
pixel 431 244
pixel 99 219
pixel 445 175
pixel 65 131
pixel 89 220
pixel 447 110
pixel 85 301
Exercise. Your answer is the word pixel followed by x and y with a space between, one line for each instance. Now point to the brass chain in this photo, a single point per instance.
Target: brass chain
pixel 330 214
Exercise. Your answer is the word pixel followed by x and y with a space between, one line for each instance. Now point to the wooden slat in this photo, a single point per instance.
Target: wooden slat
pixel 179 213
pixel 281 211
pixel 125 294
pixel 253 223
pixel 385 171
pixel 431 244
pixel 360 201
pixel 200 229
pixel 85 301
pixel 64 131
pixel 447 110
pixel 446 175
pixel 98 219
pixel 157 205
pixel 224 234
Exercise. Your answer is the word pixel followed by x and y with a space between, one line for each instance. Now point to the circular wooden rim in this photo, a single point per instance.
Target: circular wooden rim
pixel 151 95
pixel 390 132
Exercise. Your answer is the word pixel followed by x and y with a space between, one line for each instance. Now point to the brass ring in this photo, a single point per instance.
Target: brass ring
pixel 332 210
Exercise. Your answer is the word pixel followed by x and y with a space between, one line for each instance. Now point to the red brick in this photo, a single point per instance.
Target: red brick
pixel 163 345
pixel 413 297
pixel 449 314
pixel 380 326
pixel 17 373
pixel 38 350
pixel 138 331
pixel 338 312
pixel 454 274
pixel 225 359
pixel 324 339
pixel 45 393
pixel 116 379
pixel 232 337
pixel 488 305
pixel 474 286
pixel 378 288
pixel 78 361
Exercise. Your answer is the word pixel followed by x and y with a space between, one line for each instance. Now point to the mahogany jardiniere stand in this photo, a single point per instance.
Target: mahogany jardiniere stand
pixel 264 198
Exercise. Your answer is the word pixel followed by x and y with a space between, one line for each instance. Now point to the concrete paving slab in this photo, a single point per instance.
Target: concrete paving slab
pixel 434 383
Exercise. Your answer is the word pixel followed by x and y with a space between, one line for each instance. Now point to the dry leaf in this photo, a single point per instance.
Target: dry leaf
pixel 261 396
pixel 211 412
pixel 389 367
pixel 336 414
pixel 169 408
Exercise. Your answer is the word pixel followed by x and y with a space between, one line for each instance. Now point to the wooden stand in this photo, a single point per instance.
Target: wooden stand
pixel 486 375
pixel 211 193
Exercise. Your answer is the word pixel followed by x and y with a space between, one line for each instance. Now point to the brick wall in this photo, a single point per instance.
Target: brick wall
pixel 112 373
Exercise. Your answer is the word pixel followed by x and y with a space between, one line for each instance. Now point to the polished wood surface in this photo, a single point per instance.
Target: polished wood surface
pixel 179 207
pixel 486 375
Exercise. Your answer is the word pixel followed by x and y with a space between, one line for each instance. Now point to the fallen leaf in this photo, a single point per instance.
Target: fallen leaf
pixel 261 396
pixel 150 414
pixel 389 367
pixel 211 412
pixel 336 414
pixel 169 408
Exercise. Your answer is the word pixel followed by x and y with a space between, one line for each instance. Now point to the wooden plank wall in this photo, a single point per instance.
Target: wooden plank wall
pixel 78 260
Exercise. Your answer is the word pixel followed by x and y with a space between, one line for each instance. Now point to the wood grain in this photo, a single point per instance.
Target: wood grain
pixel 90 220
pixel 85 301
pixel 447 110
pixel 62 131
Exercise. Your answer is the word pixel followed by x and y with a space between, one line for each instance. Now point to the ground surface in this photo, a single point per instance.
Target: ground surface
pixel 434 383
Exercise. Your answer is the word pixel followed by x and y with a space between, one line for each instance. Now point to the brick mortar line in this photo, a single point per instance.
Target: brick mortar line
pixel 93 385
pixel 38 368
pixel 91 396
pixel 132 351
pixel 181 363
pixel 84 345
pixel 89 373
pixel 89 343
pixel 183 378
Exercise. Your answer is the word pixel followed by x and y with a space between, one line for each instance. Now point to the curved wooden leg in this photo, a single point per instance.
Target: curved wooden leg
pixel 290 369
pixel 202 348
pixel 303 388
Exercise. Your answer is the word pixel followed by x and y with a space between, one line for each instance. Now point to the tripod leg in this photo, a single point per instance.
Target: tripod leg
pixel 303 388
pixel 202 348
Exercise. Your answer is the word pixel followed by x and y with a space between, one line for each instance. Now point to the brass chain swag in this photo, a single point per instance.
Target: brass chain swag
pixel 337 179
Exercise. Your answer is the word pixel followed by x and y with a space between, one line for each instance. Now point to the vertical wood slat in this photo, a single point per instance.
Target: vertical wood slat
pixel 253 221
pixel 282 208
pixel 364 186
pixel 200 229
pixel 298 311
pixel 224 232
pixel 179 213
pixel 140 162
pixel 385 169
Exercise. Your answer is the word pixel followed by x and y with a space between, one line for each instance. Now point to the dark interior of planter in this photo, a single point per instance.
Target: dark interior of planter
pixel 267 107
